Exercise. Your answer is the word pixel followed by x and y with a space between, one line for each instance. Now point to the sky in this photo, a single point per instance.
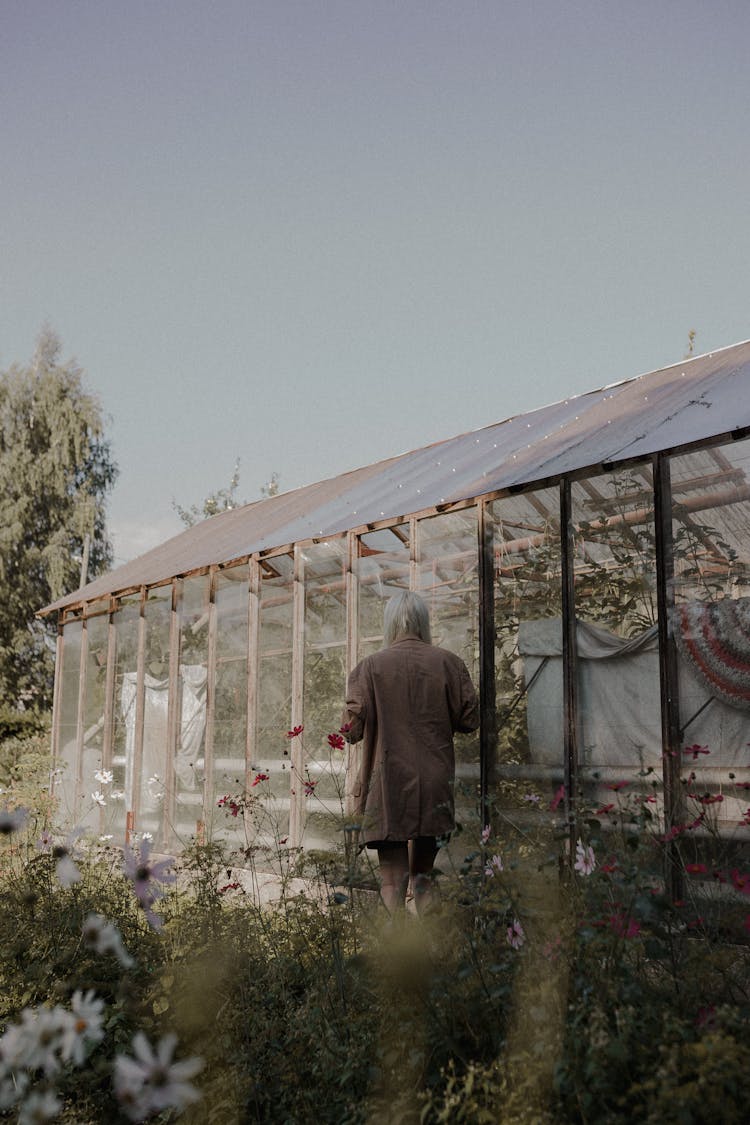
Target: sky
pixel 311 235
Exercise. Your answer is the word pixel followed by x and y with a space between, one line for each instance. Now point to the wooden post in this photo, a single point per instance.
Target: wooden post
pixel 570 661
pixel 208 744
pixel 487 707
pixel 297 801
pixel 80 719
pixel 173 715
pixel 668 673
pixel 253 668
pixel 140 701
pixel 109 690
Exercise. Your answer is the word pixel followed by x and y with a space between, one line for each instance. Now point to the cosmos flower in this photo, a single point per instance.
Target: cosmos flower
pixel 151 1082
pixel 104 937
pixel 104 777
pixel 585 858
pixel 147 878
pixel 515 935
pixel 84 1026
pixel 495 864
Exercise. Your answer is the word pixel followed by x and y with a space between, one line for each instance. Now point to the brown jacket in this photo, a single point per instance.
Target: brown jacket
pixel 405 702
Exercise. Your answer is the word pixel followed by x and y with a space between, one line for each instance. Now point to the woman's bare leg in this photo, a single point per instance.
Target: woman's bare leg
pixel 422 852
pixel 394 875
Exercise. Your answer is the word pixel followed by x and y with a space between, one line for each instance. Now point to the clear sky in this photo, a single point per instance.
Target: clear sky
pixel 316 234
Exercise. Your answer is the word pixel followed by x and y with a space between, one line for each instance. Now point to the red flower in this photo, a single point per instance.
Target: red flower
pixel 294 732
pixel 310 787
pixel 558 797
pixel 617 785
pixel 258 778
pixel 345 728
pixel 604 809
pixel 624 926
pixel 696 868
pixel 696 750
pixel 609 866
pixel 336 742
pixel 706 799
pixel 741 882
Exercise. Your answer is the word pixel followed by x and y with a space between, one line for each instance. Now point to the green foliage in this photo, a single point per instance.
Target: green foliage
pixel 523 998
pixel 55 472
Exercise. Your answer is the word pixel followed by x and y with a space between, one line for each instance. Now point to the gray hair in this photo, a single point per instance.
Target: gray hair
pixel 406 614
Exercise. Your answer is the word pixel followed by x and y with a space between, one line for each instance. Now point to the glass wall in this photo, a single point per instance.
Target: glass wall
pixel 151 783
pixel 619 699
pixel 321 785
pixel 94 791
pixel 448 579
pixel 267 822
pixel 711 627
pixel 231 695
pixel 527 770
pixel 188 763
pixel 125 620
pixel 67 787
pixel 381 569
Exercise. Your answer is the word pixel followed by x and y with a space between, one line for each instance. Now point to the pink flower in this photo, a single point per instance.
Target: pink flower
pixel 310 787
pixel 294 732
pixel 604 809
pixel 696 750
pixel 345 728
pixel 515 935
pixel 336 742
pixel 258 778
pixel 558 797
pixel 486 833
pixel 146 878
pixel 494 864
pixel 532 798
pixel 585 859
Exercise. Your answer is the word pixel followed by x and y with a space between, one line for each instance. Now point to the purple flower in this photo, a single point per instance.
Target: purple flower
pixel 146 878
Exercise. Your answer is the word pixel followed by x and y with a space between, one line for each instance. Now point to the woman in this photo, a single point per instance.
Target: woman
pixel 404 703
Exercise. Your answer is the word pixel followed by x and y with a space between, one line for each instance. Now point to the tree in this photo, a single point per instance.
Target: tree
pixel 223 499
pixel 55 472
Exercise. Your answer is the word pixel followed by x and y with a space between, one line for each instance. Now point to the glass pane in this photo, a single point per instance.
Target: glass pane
pixel 67 781
pixel 448 579
pixel 267 824
pixel 230 714
pixel 97 631
pixel 322 786
pixel 157 615
pixel 620 742
pixel 711 626
pixel 125 620
pixel 381 568
pixel 189 761
pixel 528 767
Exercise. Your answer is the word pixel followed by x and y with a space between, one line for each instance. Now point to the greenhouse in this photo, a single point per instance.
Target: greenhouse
pixel 589 561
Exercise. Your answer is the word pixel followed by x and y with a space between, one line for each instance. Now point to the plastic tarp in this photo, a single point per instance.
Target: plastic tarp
pixel 192 725
pixel 619 699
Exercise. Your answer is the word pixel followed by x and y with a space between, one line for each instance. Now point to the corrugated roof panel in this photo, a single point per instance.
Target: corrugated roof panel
pixel 686 402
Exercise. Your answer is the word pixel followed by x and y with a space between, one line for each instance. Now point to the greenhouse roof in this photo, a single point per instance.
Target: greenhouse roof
pixel 691 401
